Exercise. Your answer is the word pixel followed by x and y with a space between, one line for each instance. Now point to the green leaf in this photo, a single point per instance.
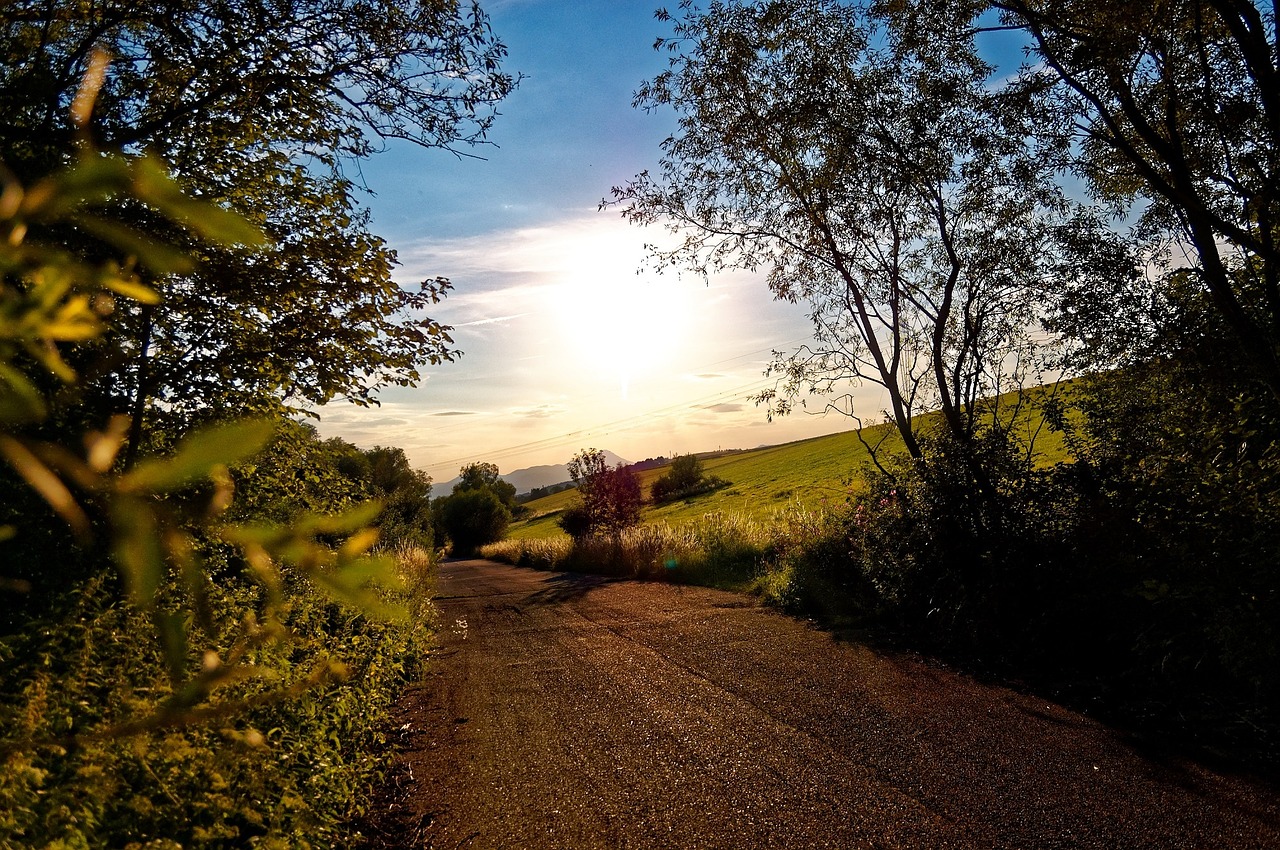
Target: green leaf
pixel 153 184
pixel 132 289
pixel 198 454
pixel 160 258
pixel 137 548
pixel 171 626
pixel 356 583
pixel 20 401
pixel 347 522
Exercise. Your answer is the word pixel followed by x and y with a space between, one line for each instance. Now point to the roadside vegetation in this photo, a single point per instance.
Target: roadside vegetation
pixel 877 168
pixel 478 510
pixel 287 758
pixel 206 611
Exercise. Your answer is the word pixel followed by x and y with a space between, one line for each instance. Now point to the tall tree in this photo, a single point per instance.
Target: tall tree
pixel 262 106
pixel 485 476
pixel 1177 108
pixel 883 184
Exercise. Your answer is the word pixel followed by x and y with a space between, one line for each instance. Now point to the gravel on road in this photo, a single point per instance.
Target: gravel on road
pixel 569 711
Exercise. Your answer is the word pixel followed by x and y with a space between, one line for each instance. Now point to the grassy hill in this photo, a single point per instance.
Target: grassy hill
pixel 808 472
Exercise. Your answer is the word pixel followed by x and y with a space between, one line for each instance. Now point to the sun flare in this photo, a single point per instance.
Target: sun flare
pixel 621 325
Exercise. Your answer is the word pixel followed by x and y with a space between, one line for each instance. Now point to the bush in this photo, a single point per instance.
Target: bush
pixel 472 518
pixel 684 480
pixel 281 772
pixel 610 497
pixel 575 521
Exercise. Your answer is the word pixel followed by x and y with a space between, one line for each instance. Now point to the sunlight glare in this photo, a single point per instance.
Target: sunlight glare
pixel 622 325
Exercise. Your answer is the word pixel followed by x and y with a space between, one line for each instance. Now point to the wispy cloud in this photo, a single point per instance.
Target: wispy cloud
pixel 490 321
pixel 541 411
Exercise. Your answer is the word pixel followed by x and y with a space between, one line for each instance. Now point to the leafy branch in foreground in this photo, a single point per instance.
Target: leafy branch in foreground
pixel 163 512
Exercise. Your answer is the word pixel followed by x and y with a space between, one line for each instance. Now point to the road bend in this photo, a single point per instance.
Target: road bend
pixel 569 711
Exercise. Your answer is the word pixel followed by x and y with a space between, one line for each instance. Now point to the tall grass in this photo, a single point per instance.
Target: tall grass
pixel 720 549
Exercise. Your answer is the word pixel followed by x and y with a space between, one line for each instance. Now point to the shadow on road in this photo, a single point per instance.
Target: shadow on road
pixel 566 588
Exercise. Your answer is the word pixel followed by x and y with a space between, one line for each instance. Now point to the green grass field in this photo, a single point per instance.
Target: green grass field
pixel 762 481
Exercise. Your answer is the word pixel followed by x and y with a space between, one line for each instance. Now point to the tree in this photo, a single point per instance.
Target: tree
pixel 405 494
pixel 472 518
pixel 883 183
pixel 485 476
pixel 1176 106
pixel 259 107
pixel 686 472
pixel 683 480
pixel 479 508
pixel 611 496
pixel 167 520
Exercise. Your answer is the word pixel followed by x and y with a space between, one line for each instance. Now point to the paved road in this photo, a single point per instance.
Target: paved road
pixel 576 712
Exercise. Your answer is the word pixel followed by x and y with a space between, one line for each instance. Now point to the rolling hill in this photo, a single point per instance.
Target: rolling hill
pixel 809 473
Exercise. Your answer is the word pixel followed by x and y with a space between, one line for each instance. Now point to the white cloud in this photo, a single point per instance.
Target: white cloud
pixel 565 345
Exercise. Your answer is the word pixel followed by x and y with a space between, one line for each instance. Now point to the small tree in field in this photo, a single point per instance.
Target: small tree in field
pixel 684 480
pixel 611 497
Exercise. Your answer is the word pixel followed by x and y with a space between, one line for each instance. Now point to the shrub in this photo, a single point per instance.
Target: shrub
pixel 281 772
pixel 610 497
pixel 472 518
pixel 684 480
pixel 575 521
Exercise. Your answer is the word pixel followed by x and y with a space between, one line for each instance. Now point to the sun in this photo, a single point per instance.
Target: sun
pixel 622 325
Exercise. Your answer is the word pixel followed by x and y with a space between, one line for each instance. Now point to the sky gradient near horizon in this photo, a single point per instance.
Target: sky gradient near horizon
pixel 566 346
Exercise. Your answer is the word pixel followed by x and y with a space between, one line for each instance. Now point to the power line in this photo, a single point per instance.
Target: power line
pixel 606 428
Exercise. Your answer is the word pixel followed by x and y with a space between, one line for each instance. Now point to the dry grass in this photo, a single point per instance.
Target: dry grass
pixel 718 549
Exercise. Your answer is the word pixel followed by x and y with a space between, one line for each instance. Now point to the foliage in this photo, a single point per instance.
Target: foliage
pixel 228 615
pixel 297 473
pixel 478 510
pixel 292 769
pixel 882 182
pixel 404 492
pixel 257 107
pixel 576 521
pixel 611 497
pixel 1137 580
pixel 1173 111
pixel 485 476
pixel 471 518
pixel 1188 506
pixel 165 517
pixel 684 480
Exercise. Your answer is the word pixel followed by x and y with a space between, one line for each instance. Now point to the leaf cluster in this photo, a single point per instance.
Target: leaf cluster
pixel 294 767
pixel 262 108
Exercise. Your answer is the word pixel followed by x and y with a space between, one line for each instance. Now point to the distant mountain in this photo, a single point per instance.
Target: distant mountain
pixel 533 476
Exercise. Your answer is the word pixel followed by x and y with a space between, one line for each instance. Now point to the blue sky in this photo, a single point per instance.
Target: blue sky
pixel 565 345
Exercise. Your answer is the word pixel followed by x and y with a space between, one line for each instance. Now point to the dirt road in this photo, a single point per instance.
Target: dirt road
pixel 577 712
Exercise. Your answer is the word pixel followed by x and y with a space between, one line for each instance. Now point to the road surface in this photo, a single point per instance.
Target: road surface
pixel 567 711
